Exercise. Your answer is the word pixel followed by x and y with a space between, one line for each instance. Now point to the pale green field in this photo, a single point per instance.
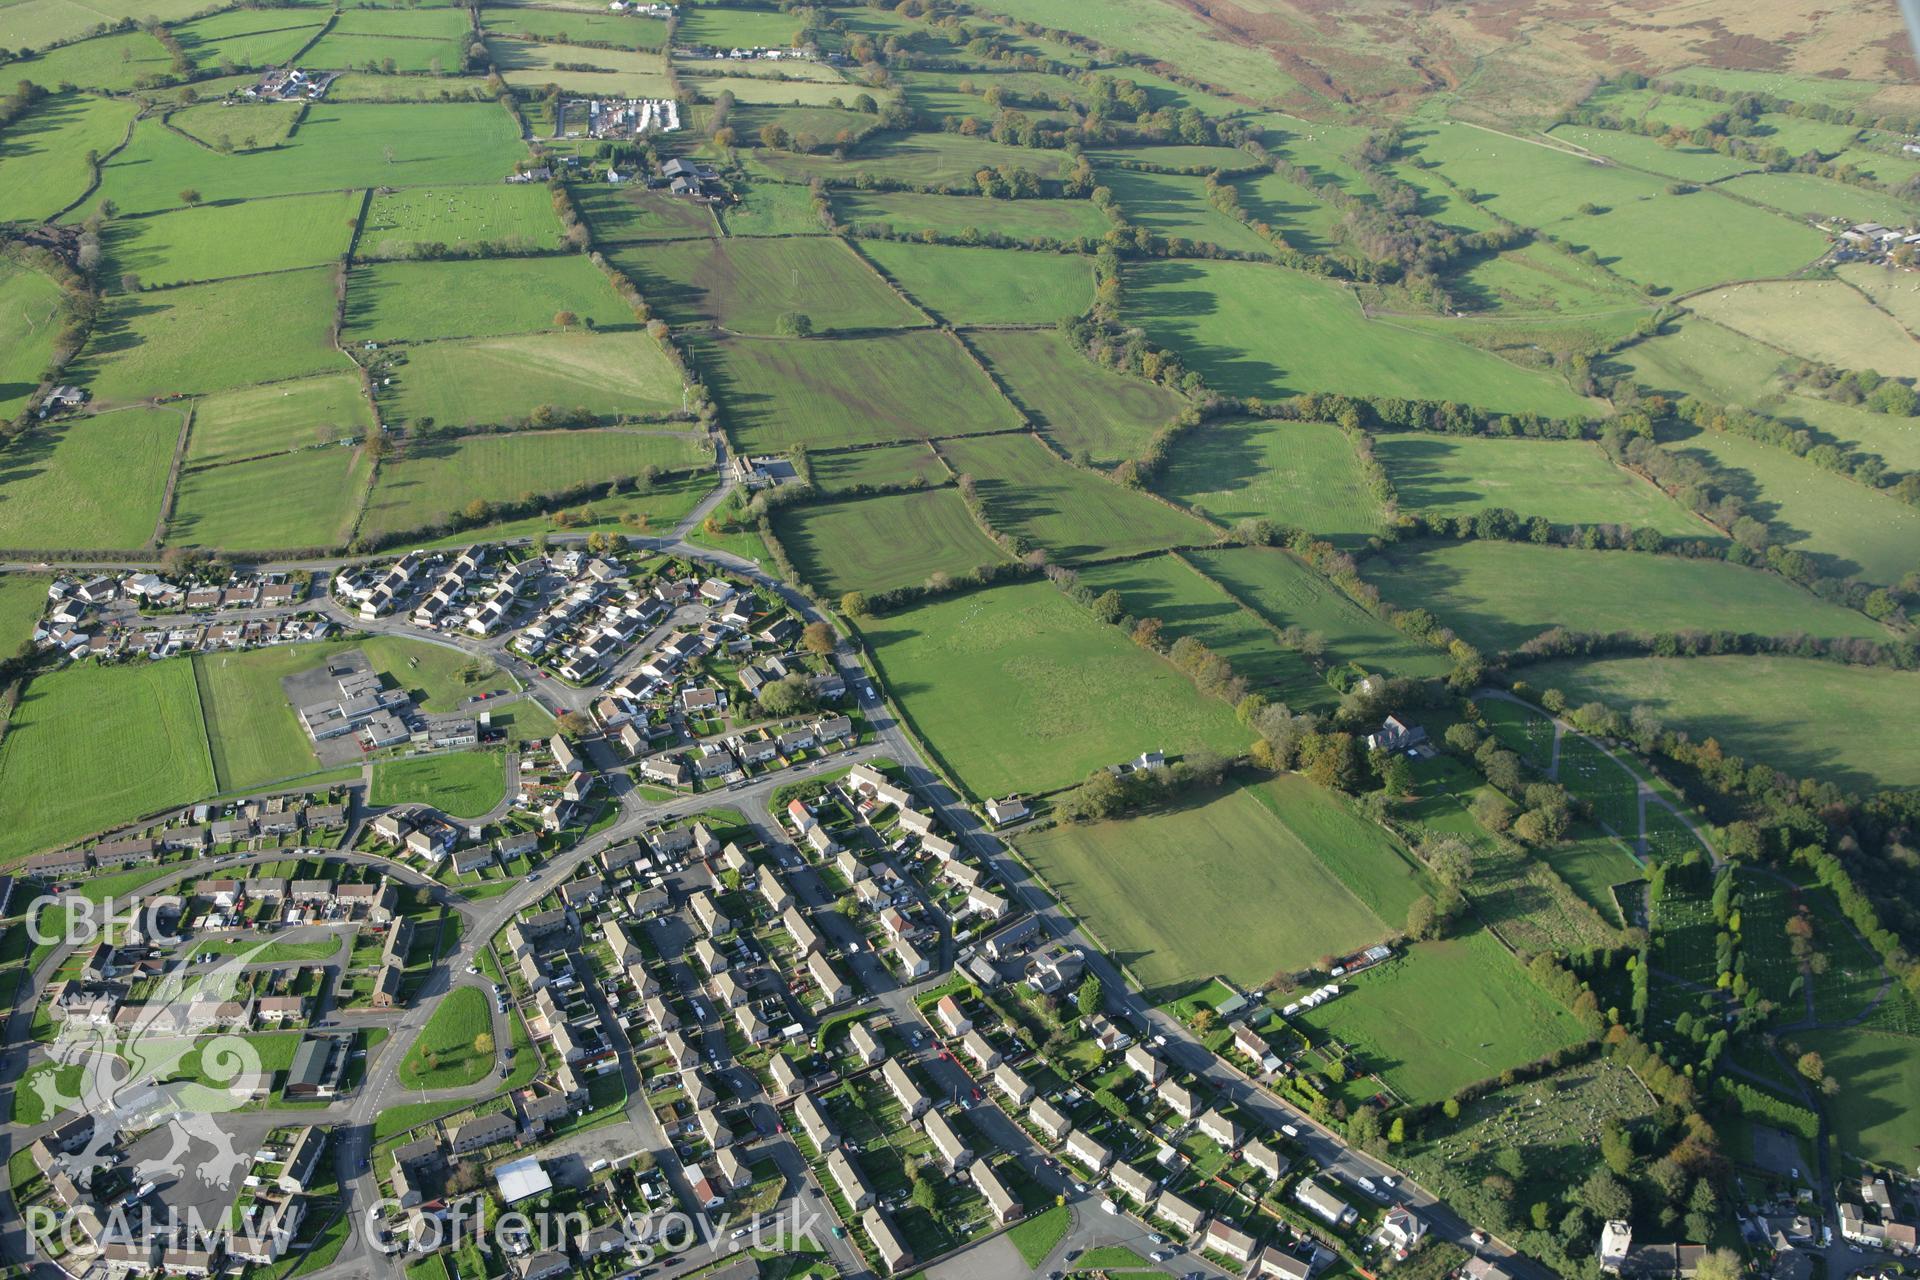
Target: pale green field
pixel 1302 475
pixel 43 157
pixel 90 482
pixel 1823 320
pixel 623 73
pixel 289 500
pixel 29 321
pixel 494 380
pixel 518 215
pixel 213 242
pixel 277 416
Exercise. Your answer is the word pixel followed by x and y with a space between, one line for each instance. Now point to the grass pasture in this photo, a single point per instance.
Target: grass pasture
pixel 1093 414
pixel 1303 221
pixel 502 380
pixel 462 784
pixel 243 126
pixel 1075 514
pixel 619 73
pixel 1824 320
pixel 1176 207
pixel 29 322
pixel 745 284
pixel 304 499
pixel 519 215
pixel 723 26
pixel 987 286
pixel 965 667
pixel 912 212
pixel 1231 858
pixel 623 31
pixel 43 157
pixel 90 482
pixel 276 416
pixel 247 237
pixel 1302 475
pixel 1879 1075
pixel 633 214
pixel 418 301
pixel 886 466
pixel 771 209
pixel 877 544
pixel 249 38
pixel 1804 195
pixel 947 160
pixel 39 23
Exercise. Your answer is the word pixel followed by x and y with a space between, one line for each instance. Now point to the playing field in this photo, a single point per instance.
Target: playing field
pixel 877 544
pixel 1498 595
pixel 417 301
pixel 889 465
pixel 1824 320
pixel 255 737
pixel 461 784
pixel 92 482
pixel 1443 1015
pixel 516 216
pixel 278 415
pixel 1093 414
pixel 910 212
pixel 1301 475
pixel 633 214
pixel 1242 865
pixel 215 241
pixel 987 286
pixel 1074 513
pixel 1014 687
pixel 1810 718
pixel 209 337
pixel 29 321
pixel 43 165
pixel 438 478
pixel 147 711
pixel 1240 324
pixel 1567 481
pixel 287 501
pixel 747 284
pixel 843 391
pixel 504 380
pixel 1176 207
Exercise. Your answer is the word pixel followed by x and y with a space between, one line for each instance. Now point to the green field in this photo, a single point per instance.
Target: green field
pixel 1176 207
pixel 461 784
pixel 113 63
pixel 1093 414
pixel 1074 513
pixel 877 544
pixel 502 380
pixel 369 53
pixel 304 499
pixel 987 286
pixel 1286 207
pixel 726 26
pixel 1443 1015
pixel 1567 481
pixel 151 716
pixel 251 727
pixel 1810 718
pixel 23 598
pixel 417 301
pixel 39 23
pixel 209 337
pixel 1301 475
pixel 845 391
pixel 93 482
pixel 1239 325
pixel 1686 162
pixel 771 209
pixel 1824 320
pixel 620 30
pixel 616 73
pixel 279 415
pixel 215 241
pixel 1806 196
pixel 443 1057
pixel 1879 1075
pixel 29 321
pixel 438 478
pixel 249 38
pixel 1015 685
pixel 910 212
pixel 1251 869
pixel 947 160
pixel 518 216
pixel 901 464
pixel 747 284
pixel 633 214
pixel 43 158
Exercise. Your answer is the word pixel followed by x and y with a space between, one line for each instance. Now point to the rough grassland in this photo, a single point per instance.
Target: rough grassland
pixel 1015 686
pixel 209 337
pixel 463 784
pixel 89 483
pixel 1443 1015
pixel 215 241
pixel 1823 320
pixel 279 415
pixel 518 213
pixel 151 716
pixel 745 285
pixel 778 393
pixel 911 212
pixel 1809 718
pixel 1500 594
pixel 1568 482
pixel 291 500
pixel 417 301
pixel 1091 413
pixel 494 380
pixel 1252 329
pixel 437 479
pixel 1268 900
pixel 1176 207
pixel 1075 514
pixel 1302 475
pixel 987 286
pixel 43 157
pixel 877 544
pixel 890 465
pixel 29 321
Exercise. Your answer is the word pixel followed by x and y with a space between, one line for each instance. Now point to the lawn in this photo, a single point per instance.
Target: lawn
pixel 438 478
pixel 29 322
pixel 1300 475
pixel 443 1056
pixel 211 337
pixel 966 667
pixel 43 158
pixel 781 392
pixel 250 421
pixel 91 482
pixel 1092 413
pixel 151 715
pixel 1240 325
pixel 878 544
pixel 1498 595
pixel 1879 1074
pixel 1444 1014
pixel 1568 481
pixel 1810 718
pixel 504 380
pixel 987 286
pixel 517 216
pixel 1235 859
pixel 1822 320
pixel 316 496
pixel 746 284
pixel 910 212
pixel 1074 513
pixel 1176 207
pixel 633 214
pixel 415 301
pixel 888 465
pixel 461 784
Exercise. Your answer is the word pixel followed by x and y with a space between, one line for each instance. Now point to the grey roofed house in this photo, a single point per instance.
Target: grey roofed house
pixel 1218 1127
pixel 847 1176
pixel 814 1122
pixel 1049 1119
pixel 895 1256
pixel 785 1078
pixel 1183 1214
pixel 1140 1186
pixel 1230 1240
pixel 1083 1147
pixel 1147 1063
pixel 1275 1263
pixel 1324 1204
pixel 1005 1205
pixel 1013 1084
pixel 865 1046
pixel 1264 1158
pixel 905 1089
pixel 1179 1098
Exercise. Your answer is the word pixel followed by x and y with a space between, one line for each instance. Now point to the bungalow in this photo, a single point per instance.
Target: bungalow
pixel 1002 812
pixel 894 1254
pixel 984 1055
pixel 387 987
pixel 1220 1128
pixel 814 1123
pixel 1013 1084
pixel 1144 1061
pixel 955 1152
pixel 847 1176
pixel 905 1089
pixel 280 1009
pixel 1179 1099
pixel 865 1046
pixel 1006 1208
pixel 1183 1214
pixel 912 963
pixel 832 986
pixel 956 1021
pixel 1323 1204
pixel 1088 1152
pixel 1265 1159
pixel 1049 1120
pixel 1231 1241
pixel 1139 1187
